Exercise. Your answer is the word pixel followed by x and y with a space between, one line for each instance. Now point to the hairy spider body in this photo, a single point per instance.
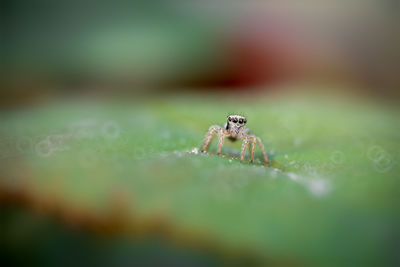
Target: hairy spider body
pixel 235 129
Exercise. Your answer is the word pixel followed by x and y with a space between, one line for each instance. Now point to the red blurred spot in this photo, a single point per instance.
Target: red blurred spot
pixel 260 53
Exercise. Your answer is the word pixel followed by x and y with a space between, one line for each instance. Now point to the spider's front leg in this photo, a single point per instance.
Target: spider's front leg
pixel 214 129
pixel 253 140
pixel 260 144
pixel 253 148
pixel 244 146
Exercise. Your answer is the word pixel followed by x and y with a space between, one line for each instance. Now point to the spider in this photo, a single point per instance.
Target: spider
pixel 235 129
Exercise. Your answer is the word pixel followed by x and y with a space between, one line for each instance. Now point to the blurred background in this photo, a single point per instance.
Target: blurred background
pixel 103 105
pixel 53 47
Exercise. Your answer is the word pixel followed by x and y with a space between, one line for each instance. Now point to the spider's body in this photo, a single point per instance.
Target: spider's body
pixel 235 129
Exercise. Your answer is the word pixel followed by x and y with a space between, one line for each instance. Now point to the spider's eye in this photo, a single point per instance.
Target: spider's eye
pixel 244 120
pixel 235 120
pixel 240 121
pixel 229 118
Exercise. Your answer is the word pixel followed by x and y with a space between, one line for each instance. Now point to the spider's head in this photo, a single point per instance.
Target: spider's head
pixel 235 122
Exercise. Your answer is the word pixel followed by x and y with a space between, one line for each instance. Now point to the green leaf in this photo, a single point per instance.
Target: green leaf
pixel 330 195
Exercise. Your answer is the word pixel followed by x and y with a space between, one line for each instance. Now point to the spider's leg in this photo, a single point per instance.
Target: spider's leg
pixel 244 145
pixel 221 137
pixel 253 146
pixel 260 144
pixel 213 129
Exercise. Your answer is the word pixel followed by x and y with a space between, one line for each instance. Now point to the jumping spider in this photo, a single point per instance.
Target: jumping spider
pixel 235 129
